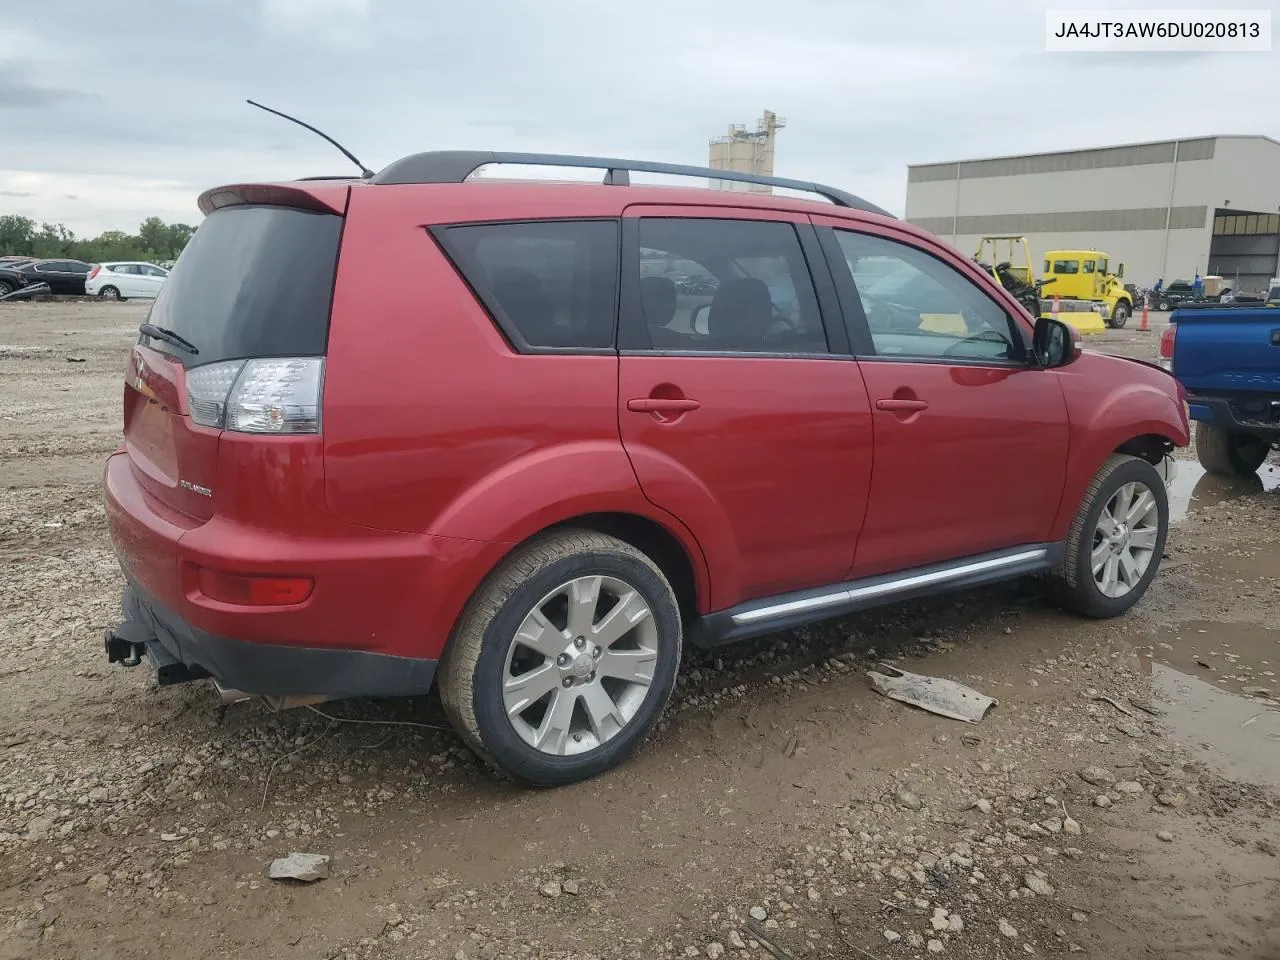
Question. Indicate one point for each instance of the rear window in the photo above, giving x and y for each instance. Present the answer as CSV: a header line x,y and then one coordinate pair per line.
x,y
548,284
255,281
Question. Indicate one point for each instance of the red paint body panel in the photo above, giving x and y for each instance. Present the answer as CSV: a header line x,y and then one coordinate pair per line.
x,y
374,590
770,472
979,469
1111,400
165,446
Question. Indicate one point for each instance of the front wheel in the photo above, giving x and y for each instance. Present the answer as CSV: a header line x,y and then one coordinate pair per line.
x,y
1230,454
1163,306
1116,540
1120,315
5,289
564,659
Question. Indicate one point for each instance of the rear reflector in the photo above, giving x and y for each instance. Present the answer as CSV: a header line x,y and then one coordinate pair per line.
x,y
277,395
253,591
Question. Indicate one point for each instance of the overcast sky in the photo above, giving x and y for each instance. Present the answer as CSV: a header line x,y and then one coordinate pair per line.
x,y
110,112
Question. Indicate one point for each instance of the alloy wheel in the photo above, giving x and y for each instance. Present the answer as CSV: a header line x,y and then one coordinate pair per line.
x,y
580,665
1124,539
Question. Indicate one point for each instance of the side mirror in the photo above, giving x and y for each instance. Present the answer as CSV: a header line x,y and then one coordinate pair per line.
x,y
1055,344
1120,271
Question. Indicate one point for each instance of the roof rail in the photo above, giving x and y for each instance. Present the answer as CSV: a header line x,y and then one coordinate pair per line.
x,y
454,166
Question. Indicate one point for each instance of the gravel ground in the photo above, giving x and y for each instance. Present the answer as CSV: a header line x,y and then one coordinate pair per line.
x,y
1119,800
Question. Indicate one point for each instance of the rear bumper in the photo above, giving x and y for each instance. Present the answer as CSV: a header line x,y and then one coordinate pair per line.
x,y
1222,413
265,669
390,597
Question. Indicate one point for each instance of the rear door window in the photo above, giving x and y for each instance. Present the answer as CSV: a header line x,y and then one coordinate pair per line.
x,y
255,281
727,286
549,285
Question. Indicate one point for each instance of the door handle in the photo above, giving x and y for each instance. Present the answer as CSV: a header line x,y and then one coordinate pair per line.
x,y
897,403
662,405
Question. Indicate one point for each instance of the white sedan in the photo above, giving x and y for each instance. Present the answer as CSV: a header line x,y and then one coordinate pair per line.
x,y
124,280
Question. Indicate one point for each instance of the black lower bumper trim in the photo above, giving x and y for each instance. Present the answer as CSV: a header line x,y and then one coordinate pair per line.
x,y
180,652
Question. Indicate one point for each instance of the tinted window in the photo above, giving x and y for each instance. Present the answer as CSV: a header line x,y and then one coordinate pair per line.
x,y
253,282
150,271
547,284
918,306
1088,266
740,286
1066,266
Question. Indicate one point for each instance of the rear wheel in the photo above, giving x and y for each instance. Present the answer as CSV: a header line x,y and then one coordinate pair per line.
x,y
1120,315
1116,540
1230,454
564,658
110,293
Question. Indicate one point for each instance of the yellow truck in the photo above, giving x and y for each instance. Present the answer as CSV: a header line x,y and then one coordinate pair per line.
x,y
1085,275
1008,260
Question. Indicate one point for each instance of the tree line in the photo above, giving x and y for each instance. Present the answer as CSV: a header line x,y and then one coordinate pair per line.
x,y
155,240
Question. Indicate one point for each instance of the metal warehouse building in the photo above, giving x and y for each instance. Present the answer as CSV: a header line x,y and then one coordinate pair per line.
x,y
1164,210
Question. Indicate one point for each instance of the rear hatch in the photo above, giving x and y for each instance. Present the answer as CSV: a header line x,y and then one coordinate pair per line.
x,y
235,340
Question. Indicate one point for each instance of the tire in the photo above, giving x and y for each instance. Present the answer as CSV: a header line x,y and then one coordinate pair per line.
x,y
5,289
1120,315
1230,454
1163,306
109,293
483,655
1082,590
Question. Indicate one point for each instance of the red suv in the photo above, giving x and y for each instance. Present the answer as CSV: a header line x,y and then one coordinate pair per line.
x,y
524,439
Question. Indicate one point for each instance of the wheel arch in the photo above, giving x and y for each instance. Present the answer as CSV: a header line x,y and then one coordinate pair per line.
x,y
1149,440
658,543
1151,447
672,548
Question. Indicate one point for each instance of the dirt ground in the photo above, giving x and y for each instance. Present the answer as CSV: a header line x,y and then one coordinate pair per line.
x,y
1119,801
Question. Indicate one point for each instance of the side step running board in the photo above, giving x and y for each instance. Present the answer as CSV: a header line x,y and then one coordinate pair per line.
x,y
758,617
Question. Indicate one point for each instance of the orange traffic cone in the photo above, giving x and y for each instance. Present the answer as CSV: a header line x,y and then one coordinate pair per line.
x,y
1145,326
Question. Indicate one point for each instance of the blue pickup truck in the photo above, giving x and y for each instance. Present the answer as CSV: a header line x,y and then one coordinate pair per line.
x,y
1228,361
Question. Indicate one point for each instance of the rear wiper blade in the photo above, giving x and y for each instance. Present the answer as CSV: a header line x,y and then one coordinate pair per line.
x,y
168,336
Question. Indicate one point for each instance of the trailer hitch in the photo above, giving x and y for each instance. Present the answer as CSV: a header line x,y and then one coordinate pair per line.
x,y
126,644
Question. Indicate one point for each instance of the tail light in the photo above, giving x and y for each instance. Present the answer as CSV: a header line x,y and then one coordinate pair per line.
x,y
97,268
1166,346
276,395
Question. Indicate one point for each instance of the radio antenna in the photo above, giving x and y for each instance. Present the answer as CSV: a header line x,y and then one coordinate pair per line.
x,y
365,172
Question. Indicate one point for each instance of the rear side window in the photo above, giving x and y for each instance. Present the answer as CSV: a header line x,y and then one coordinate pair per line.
x,y
255,281
548,284
727,286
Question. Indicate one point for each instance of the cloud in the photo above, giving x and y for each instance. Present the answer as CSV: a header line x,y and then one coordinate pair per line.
x,y
19,92
867,87
336,22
